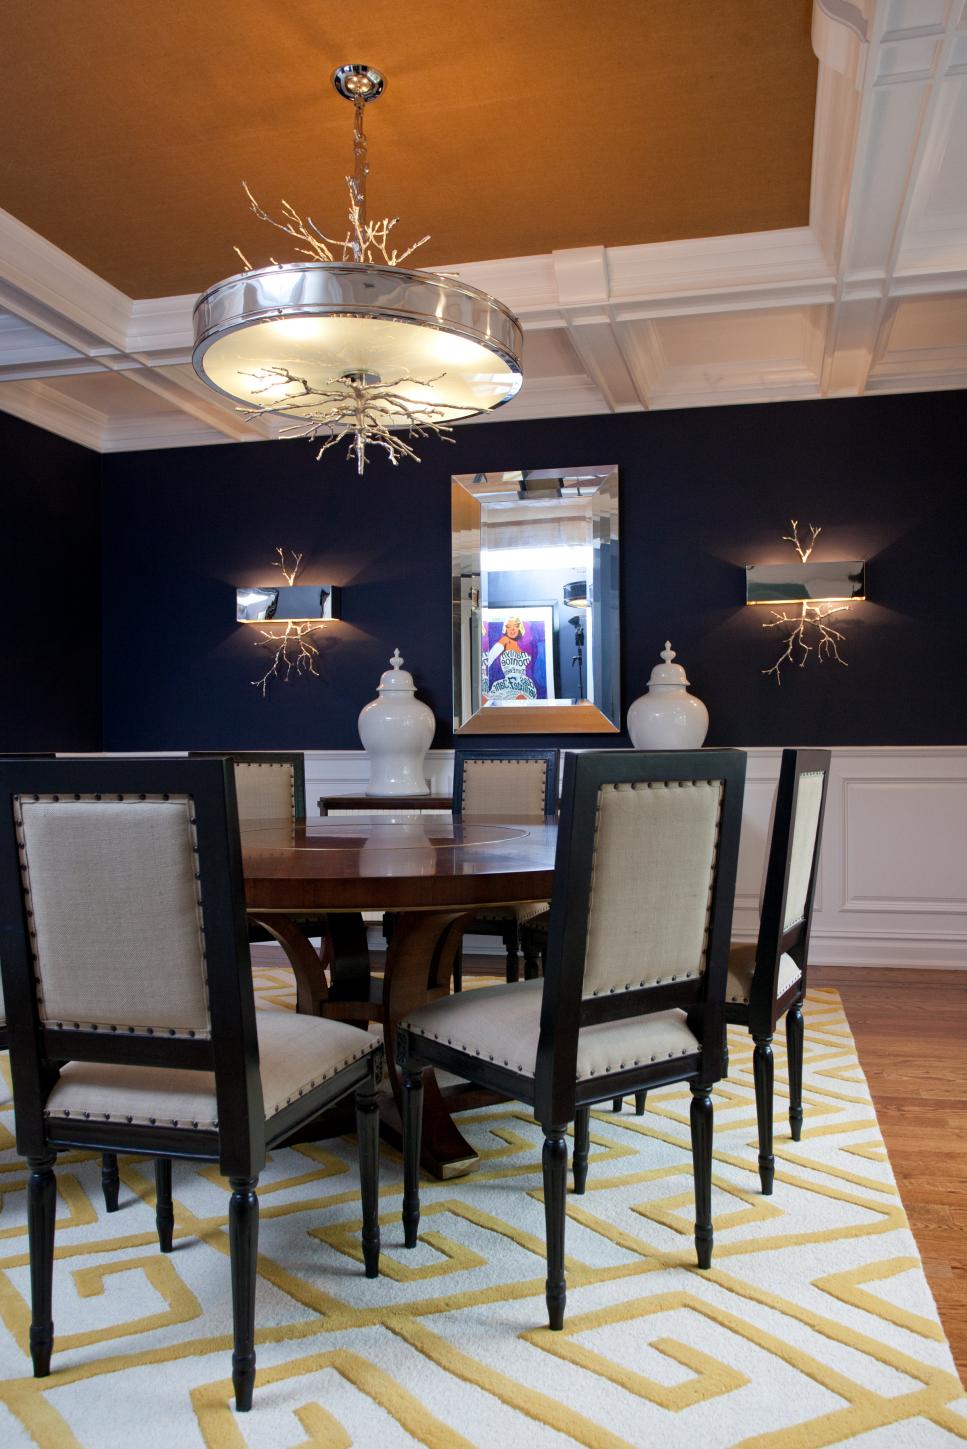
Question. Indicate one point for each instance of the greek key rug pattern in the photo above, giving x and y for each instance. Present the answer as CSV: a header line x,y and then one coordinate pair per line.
x,y
815,1325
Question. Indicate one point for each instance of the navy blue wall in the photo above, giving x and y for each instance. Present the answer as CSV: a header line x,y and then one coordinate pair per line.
x,y
50,566
702,493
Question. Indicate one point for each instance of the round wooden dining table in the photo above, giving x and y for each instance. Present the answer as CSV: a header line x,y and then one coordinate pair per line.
x,y
433,874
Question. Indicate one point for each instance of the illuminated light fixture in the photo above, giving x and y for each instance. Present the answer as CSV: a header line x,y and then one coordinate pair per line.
x,y
349,344
820,590
302,608
576,594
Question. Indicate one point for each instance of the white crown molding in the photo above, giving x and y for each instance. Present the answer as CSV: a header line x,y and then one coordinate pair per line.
x,y
55,412
693,323
56,282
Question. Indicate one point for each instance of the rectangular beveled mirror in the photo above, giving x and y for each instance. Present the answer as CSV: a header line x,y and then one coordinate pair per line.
x,y
536,647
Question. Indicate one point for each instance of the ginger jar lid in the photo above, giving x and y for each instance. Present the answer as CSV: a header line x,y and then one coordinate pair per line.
x,y
396,680
667,673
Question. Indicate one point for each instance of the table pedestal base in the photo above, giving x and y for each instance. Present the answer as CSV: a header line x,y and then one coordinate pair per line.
x,y
419,967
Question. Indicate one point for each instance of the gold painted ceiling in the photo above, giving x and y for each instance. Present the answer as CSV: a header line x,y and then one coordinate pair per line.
x,y
507,129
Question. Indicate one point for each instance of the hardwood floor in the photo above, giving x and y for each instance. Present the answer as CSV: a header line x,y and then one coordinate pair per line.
x,y
910,1029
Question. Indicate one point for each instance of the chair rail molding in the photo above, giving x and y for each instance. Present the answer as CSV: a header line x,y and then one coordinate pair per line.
x,y
892,889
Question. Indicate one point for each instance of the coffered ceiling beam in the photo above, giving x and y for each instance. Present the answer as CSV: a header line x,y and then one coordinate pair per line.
x,y
869,297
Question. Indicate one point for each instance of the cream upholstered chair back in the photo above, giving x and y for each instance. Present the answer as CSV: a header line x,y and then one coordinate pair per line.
x,y
116,913
781,951
265,790
794,845
268,785
805,841
653,872
505,782
124,933
644,885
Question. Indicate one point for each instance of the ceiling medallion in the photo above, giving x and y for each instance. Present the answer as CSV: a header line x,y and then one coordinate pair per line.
x,y
350,344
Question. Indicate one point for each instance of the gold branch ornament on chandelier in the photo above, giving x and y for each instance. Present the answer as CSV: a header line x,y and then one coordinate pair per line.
x,y
349,344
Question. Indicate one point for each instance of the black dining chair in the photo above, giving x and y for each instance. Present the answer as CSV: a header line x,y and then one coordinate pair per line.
x,y
767,977
131,1016
634,990
505,782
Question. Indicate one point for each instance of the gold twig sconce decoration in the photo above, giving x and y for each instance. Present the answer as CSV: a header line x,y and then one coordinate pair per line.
x,y
303,610
811,595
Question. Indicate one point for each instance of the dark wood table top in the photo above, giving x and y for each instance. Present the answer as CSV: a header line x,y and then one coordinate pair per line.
x,y
385,863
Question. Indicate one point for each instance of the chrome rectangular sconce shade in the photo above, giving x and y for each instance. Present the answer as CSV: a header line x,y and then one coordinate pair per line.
x,y
300,602
805,583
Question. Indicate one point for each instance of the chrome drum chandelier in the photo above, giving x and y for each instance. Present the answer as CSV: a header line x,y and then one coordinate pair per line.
x,y
349,344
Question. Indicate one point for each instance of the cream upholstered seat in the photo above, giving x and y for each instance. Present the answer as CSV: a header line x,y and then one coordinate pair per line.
x,y
501,1024
294,1057
767,977
742,967
634,988
509,783
128,986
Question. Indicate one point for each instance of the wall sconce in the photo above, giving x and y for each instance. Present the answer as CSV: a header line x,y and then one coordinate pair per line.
x,y
820,591
304,609
576,594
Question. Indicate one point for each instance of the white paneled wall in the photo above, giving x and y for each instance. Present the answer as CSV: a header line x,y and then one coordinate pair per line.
x,y
893,884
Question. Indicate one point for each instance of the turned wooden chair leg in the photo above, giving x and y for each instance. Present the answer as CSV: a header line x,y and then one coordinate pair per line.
x,y
700,1117
41,1200
367,1137
640,1099
762,1071
110,1180
532,957
243,1240
794,1048
582,1145
164,1213
554,1164
412,1132
511,939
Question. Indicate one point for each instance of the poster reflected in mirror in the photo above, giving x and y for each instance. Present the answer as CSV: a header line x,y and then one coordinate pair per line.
x,y
517,654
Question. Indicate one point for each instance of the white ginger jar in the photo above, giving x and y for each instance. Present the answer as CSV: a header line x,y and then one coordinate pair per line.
x,y
396,730
666,716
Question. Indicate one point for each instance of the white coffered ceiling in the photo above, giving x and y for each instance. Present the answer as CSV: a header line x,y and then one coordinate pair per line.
x,y
870,297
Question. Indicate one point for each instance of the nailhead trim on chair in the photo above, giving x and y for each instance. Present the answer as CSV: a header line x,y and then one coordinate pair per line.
x,y
661,785
213,1122
529,1071
97,798
271,765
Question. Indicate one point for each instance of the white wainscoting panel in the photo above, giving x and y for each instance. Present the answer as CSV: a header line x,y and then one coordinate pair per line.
x,y
893,871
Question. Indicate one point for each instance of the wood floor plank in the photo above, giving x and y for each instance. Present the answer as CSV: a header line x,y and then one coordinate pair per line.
x,y
910,1028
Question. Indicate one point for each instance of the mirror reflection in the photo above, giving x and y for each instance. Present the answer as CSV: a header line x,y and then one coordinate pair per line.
x,y
299,601
535,601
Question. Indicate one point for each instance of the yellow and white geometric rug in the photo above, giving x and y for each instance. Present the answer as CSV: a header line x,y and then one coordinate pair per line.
x,y
815,1325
